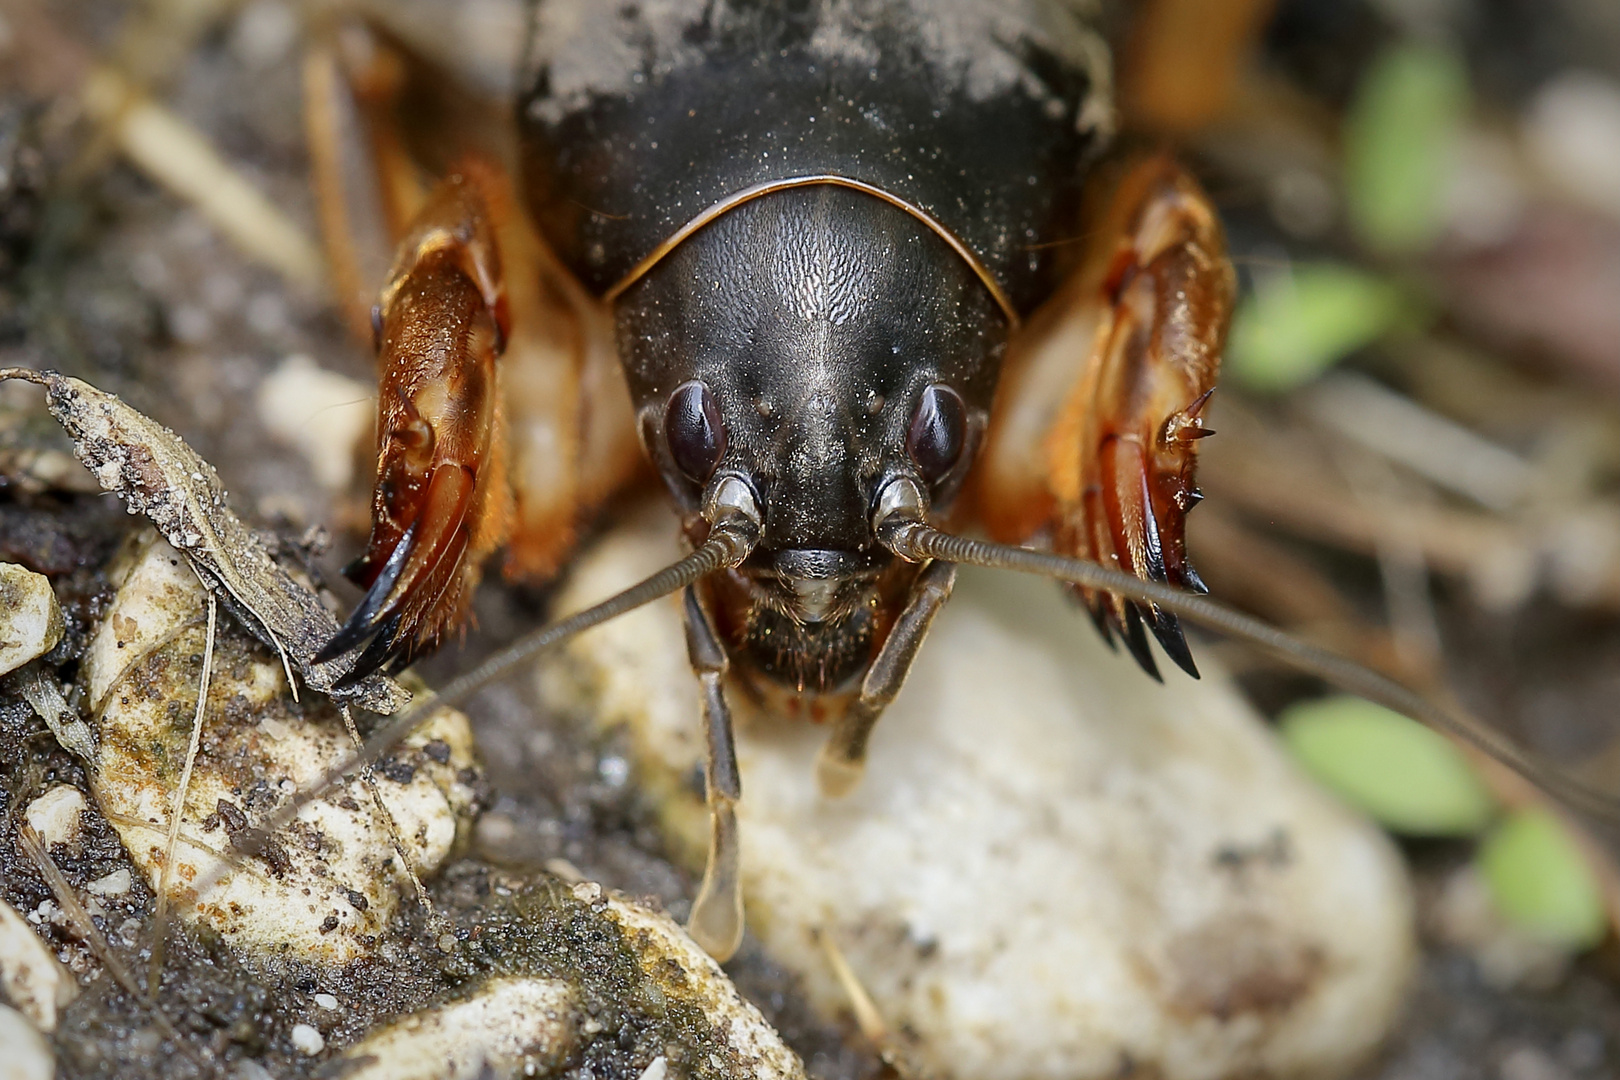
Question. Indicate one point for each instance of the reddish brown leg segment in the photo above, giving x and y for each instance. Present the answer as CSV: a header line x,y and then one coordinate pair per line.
x,y
442,502
1116,458
471,454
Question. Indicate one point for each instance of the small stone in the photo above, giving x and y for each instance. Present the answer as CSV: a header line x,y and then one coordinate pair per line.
x,y
116,883
1053,864
496,830
307,1040
319,413
499,1026
326,1001
31,978
1530,1063
532,1023
30,618
57,815
314,891
564,869
27,1055
1572,130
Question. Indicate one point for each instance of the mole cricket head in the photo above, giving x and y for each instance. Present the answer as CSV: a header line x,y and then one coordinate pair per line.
x,y
815,345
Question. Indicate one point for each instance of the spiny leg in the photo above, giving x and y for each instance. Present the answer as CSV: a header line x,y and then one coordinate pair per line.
x,y
1116,458
717,913
569,440
843,755
442,501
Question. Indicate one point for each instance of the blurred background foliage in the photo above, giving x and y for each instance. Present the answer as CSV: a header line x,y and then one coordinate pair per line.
x,y
1421,436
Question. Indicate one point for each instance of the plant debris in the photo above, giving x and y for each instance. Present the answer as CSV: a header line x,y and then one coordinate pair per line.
x,y
158,475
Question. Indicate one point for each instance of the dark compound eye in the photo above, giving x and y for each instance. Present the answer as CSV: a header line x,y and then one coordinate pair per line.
x,y
938,431
697,439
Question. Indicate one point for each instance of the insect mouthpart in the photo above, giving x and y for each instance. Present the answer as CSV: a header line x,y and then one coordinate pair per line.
x,y
817,585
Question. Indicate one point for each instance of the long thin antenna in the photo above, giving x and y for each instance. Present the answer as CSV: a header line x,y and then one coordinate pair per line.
x,y
729,543
911,539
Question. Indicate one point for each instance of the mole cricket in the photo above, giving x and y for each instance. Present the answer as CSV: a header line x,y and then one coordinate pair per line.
x,y
858,278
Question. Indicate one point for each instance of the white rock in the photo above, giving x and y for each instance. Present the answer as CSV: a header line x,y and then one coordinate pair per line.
x,y
532,1025
505,1022
1572,130
1053,867
664,951
30,618
27,1056
307,1040
31,977
57,815
116,883
326,1001
332,882
319,413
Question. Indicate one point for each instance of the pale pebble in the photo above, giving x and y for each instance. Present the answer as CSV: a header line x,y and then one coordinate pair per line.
x,y
1464,915
1053,865
338,881
533,1024
57,815
504,1022
319,413
1572,130
30,618
307,1040
32,978
110,885
27,1054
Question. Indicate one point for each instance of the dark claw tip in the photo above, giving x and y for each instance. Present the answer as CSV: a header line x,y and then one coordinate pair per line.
x,y
376,656
370,614
1167,628
1099,618
1136,643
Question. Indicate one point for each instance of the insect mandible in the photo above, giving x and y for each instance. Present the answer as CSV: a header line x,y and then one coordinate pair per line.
x,y
872,277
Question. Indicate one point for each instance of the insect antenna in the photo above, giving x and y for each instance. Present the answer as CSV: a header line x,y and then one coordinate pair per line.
x,y
730,541
912,539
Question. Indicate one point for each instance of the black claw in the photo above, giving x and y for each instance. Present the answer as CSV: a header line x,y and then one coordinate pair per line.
x,y
1136,642
1167,628
376,656
1190,578
369,615
1098,610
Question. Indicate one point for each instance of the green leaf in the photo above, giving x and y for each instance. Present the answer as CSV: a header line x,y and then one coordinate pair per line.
x,y
1297,324
1541,881
1399,139
1405,776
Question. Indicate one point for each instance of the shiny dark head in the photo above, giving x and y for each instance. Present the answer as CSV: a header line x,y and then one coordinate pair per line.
x,y
815,343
